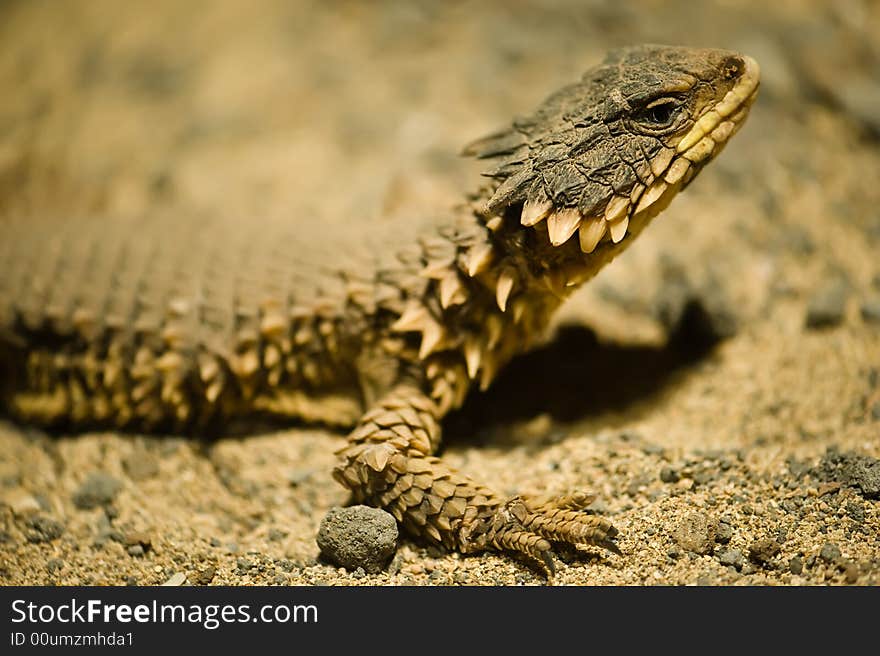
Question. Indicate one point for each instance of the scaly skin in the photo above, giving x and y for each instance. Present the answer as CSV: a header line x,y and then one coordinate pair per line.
x,y
186,325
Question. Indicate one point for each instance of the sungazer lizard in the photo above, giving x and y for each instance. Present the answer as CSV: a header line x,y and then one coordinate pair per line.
x,y
163,323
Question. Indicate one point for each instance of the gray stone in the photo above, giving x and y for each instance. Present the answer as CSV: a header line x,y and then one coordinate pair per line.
x,y
851,469
43,529
830,552
723,533
731,557
205,575
668,475
871,309
705,476
99,489
827,305
359,536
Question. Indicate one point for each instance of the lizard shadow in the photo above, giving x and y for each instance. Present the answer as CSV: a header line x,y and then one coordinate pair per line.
x,y
572,378
576,377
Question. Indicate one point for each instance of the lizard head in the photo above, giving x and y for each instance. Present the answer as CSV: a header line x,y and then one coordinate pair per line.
x,y
602,157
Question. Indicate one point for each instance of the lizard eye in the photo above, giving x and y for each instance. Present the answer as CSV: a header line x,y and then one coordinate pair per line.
x,y
659,114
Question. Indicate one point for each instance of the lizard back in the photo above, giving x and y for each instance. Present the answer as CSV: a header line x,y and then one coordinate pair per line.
x,y
184,322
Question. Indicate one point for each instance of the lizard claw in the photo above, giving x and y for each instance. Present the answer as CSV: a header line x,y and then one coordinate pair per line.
x,y
549,563
530,526
610,545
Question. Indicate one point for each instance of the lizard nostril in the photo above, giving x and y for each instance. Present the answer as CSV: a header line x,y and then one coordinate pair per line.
x,y
733,67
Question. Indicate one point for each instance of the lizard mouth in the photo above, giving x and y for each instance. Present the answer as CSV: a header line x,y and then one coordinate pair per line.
x,y
720,122
670,171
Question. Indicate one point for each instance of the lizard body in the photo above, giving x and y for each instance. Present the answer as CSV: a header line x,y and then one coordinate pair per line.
x,y
160,323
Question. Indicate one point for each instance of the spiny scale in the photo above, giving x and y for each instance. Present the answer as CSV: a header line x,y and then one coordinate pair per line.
x,y
562,224
534,211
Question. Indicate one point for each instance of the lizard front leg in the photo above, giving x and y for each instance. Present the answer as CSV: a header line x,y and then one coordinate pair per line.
x,y
389,463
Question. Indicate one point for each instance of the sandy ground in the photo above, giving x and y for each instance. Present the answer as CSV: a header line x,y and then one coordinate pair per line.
x,y
718,386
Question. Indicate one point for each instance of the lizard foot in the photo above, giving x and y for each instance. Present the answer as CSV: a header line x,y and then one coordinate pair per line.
x,y
529,526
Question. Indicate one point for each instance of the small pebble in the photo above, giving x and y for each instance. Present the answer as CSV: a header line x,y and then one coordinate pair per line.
x,y
43,529
851,469
871,310
685,484
731,557
723,533
763,551
796,565
179,578
830,552
359,536
828,305
286,565
97,490
205,576
668,475
704,476
137,538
